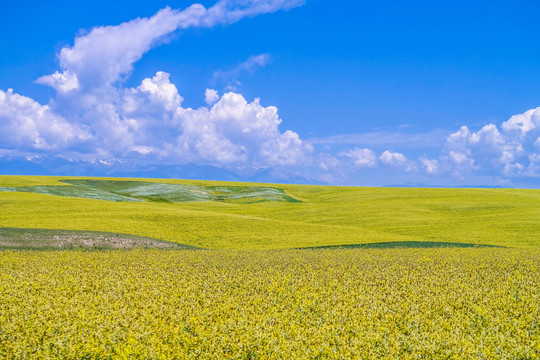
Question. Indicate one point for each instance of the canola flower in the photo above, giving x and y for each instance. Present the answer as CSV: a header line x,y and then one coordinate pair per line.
x,y
321,216
285,304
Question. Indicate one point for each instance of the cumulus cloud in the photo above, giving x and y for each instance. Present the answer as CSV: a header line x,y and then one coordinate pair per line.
x,y
149,120
210,96
62,83
506,151
160,91
94,114
431,166
524,123
396,159
460,158
28,125
393,158
234,130
361,157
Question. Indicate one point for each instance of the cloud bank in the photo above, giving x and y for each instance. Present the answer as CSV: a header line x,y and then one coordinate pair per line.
x,y
95,117
27,125
509,150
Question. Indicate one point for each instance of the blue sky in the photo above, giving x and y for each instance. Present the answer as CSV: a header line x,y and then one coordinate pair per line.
x,y
350,92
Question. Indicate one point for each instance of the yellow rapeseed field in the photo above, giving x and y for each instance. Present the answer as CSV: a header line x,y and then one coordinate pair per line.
x,y
443,303
326,215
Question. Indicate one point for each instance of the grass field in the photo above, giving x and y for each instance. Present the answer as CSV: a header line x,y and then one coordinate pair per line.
x,y
318,216
121,190
295,272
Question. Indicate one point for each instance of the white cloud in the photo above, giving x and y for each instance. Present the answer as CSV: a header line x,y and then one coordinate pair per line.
x,y
459,138
211,96
62,83
460,158
393,158
361,157
230,11
524,123
327,162
27,125
161,91
107,53
533,168
233,130
488,135
396,159
252,64
513,169
149,121
506,157
96,116
493,151
431,166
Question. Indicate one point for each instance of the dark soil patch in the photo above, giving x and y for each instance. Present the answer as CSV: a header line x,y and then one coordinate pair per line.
x,y
47,239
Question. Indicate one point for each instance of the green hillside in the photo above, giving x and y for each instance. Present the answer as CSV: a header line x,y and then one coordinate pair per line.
x,y
222,215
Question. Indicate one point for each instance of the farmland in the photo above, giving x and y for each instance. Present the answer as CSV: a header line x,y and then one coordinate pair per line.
x,y
293,272
298,216
282,304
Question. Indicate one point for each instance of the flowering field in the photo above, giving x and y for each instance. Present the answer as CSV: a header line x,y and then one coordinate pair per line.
x,y
283,304
322,216
371,282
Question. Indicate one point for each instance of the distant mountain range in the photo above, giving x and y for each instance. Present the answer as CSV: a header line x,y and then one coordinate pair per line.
x,y
62,166
417,185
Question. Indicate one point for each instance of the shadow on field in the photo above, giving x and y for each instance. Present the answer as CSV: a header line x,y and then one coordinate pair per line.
x,y
405,244
52,239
